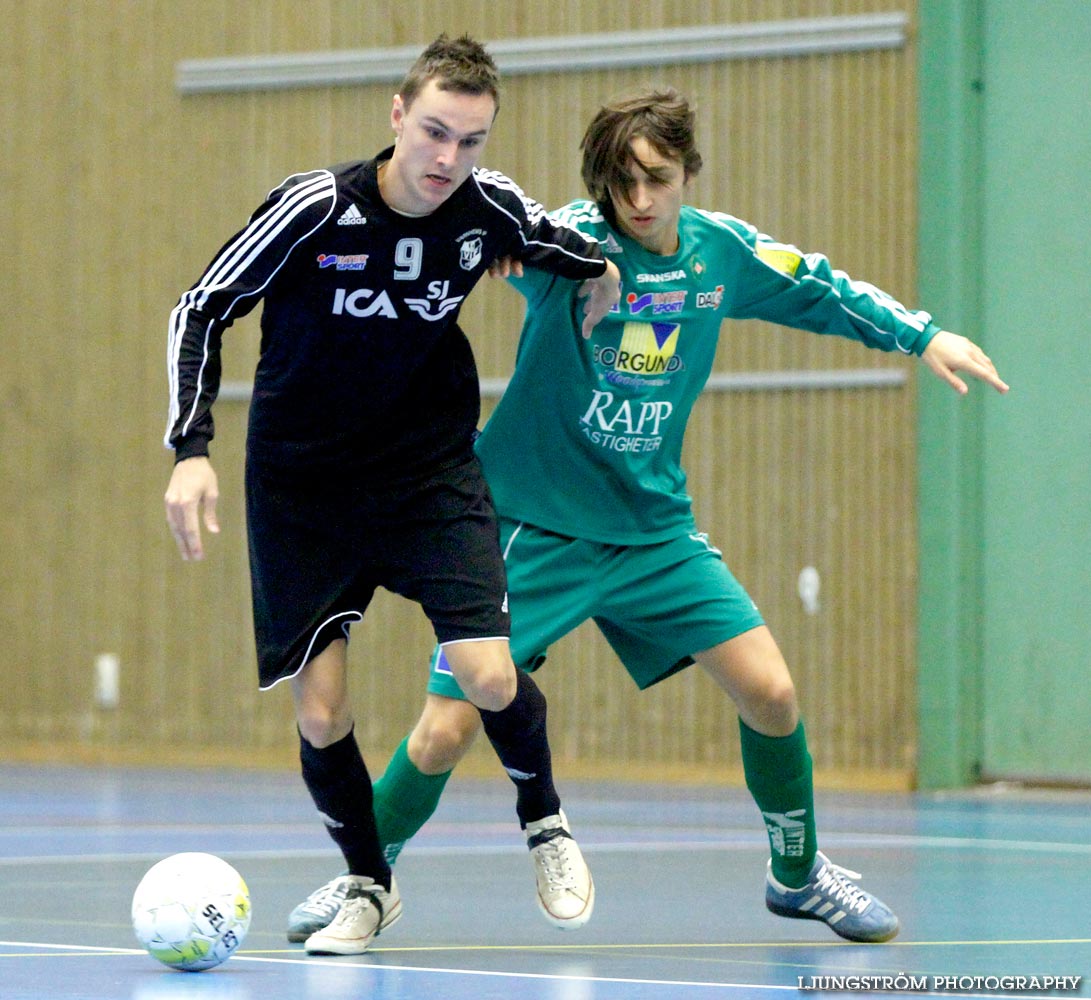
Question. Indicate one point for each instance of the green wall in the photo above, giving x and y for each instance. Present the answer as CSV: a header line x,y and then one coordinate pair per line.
x,y
1005,482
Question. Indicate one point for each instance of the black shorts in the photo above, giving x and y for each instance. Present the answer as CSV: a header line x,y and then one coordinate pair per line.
x,y
320,545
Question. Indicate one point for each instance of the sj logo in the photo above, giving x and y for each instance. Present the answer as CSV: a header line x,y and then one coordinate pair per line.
x,y
437,304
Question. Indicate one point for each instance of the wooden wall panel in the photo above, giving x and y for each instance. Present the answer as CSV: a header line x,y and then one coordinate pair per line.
x,y
122,191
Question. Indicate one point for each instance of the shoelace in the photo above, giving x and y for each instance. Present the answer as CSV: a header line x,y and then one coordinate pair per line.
x,y
836,881
353,906
327,899
557,866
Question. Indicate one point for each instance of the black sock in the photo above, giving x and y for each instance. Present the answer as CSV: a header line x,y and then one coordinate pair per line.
x,y
518,735
337,779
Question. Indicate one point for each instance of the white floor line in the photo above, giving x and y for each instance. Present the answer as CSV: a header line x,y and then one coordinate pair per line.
x,y
747,841
312,962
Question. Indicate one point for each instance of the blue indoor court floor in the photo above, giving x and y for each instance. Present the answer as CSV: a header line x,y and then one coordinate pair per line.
x,y
988,883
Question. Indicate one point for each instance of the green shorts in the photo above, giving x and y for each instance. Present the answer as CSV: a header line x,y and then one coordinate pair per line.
x,y
656,605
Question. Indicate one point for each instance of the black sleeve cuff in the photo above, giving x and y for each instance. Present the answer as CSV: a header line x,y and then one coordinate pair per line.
x,y
193,446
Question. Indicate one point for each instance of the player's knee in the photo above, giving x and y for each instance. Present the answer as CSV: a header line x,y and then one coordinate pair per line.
x,y
440,742
775,707
493,690
780,695
486,676
321,725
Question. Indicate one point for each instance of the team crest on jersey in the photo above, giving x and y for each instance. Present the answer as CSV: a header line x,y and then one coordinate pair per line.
x,y
470,249
646,349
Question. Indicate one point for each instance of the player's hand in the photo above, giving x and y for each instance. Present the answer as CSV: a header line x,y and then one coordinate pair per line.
x,y
948,353
602,294
191,493
506,267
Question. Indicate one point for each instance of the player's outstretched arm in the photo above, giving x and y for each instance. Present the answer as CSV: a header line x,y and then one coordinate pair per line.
x,y
948,353
192,491
602,294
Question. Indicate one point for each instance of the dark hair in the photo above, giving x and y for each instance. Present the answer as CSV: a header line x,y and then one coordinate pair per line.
x,y
459,64
663,117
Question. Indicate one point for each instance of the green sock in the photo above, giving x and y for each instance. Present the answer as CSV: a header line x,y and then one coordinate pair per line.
x,y
404,800
778,774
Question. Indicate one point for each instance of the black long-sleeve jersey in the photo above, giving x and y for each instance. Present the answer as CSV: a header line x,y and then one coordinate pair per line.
x,y
362,360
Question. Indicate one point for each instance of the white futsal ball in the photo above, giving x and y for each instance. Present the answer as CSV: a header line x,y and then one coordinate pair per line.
x,y
191,911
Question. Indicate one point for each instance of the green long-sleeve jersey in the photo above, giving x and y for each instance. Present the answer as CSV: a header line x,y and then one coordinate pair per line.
x,y
587,439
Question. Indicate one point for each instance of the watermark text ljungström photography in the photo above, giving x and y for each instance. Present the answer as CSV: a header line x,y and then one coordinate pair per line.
x,y
904,983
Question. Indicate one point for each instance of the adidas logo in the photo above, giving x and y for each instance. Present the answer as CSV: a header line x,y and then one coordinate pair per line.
x,y
351,217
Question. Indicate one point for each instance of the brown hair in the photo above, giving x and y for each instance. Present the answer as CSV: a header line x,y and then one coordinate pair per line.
x,y
459,64
663,117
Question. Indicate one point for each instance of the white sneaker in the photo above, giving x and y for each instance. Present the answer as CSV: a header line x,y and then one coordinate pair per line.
x,y
366,910
318,909
566,892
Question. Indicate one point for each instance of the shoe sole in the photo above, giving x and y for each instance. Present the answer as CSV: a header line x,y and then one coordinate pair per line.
x,y
877,938
348,948
571,923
